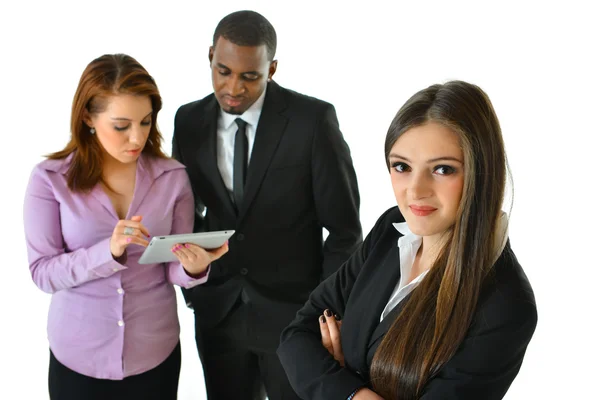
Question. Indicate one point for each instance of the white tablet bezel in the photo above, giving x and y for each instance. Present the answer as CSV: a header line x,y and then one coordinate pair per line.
x,y
159,248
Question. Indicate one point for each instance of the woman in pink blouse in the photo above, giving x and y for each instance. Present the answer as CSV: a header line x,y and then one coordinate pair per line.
x,y
89,212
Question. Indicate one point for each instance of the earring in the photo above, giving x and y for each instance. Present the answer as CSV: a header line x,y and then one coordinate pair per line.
x,y
92,131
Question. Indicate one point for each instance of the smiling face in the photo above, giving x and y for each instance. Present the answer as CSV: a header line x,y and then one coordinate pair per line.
x,y
427,172
122,128
239,74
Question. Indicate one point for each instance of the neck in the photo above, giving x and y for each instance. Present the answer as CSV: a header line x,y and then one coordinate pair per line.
x,y
111,167
429,251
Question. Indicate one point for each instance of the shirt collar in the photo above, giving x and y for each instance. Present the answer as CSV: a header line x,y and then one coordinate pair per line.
x,y
250,116
407,236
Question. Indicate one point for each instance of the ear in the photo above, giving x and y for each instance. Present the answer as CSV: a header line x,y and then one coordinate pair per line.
x,y
211,51
272,69
87,118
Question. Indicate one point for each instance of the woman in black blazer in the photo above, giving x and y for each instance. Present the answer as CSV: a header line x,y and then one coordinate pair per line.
x,y
434,305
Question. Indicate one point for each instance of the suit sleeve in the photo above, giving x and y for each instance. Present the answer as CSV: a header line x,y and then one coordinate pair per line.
x,y
489,358
52,267
177,154
336,195
312,371
183,220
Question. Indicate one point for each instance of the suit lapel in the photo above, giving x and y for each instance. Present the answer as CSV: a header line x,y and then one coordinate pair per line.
x,y
385,325
389,319
205,133
390,277
268,134
371,299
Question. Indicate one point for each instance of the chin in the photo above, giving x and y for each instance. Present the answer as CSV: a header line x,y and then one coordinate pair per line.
x,y
424,227
128,160
231,110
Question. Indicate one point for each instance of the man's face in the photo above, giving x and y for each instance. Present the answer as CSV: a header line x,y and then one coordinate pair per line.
x,y
239,74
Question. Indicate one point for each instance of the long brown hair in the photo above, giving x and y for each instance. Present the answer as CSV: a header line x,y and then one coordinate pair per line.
x,y
108,75
436,316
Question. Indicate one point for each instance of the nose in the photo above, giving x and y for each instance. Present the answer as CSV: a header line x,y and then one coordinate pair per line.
x,y
235,86
420,186
137,135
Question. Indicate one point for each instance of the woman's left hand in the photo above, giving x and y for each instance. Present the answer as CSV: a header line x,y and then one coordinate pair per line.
x,y
195,259
330,325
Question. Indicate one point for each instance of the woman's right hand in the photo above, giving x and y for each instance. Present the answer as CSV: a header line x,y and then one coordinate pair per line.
x,y
119,240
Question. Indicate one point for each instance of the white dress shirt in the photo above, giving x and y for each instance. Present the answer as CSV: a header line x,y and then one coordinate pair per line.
x,y
226,130
409,245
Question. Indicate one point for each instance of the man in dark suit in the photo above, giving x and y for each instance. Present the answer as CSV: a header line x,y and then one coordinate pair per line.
x,y
273,165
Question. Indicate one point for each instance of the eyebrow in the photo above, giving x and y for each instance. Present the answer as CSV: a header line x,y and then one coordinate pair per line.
x,y
431,160
127,119
243,73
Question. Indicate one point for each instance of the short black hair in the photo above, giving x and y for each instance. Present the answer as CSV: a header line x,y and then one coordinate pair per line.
x,y
247,28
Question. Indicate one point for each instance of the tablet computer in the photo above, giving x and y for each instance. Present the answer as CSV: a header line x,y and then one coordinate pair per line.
x,y
159,248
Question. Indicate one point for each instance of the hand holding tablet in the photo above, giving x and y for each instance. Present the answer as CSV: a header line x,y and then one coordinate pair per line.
x,y
160,248
195,259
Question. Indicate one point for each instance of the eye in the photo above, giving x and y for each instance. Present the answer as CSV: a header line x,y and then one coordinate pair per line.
x,y
444,170
250,77
146,123
400,167
223,72
121,128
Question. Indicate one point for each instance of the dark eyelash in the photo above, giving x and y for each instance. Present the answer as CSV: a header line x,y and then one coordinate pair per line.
x,y
121,129
405,166
450,170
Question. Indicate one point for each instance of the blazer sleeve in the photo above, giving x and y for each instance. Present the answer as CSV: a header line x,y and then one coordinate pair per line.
x,y
336,195
490,357
183,220
52,267
177,154
198,207
312,371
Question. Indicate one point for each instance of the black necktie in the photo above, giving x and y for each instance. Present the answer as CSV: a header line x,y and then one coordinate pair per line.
x,y
240,162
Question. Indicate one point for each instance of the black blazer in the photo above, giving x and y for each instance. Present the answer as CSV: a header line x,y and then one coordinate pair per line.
x,y
300,180
484,365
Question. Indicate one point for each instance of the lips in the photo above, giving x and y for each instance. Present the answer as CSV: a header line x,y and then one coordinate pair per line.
x,y
422,211
232,101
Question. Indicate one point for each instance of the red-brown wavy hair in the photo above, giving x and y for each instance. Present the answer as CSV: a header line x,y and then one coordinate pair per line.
x,y
106,76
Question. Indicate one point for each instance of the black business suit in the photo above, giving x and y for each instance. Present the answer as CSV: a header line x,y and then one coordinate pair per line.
x,y
484,365
300,180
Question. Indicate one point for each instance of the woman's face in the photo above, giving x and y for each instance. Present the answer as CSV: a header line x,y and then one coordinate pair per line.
x,y
427,172
123,127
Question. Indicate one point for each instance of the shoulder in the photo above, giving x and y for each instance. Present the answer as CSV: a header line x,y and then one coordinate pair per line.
x,y
383,231
507,300
391,216
54,165
194,106
49,170
167,173
302,102
49,176
162,166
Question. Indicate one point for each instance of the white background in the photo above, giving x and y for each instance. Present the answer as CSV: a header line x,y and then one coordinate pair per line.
x,y
536,60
